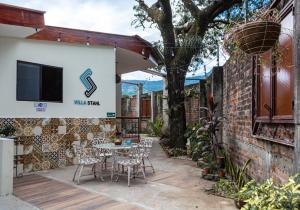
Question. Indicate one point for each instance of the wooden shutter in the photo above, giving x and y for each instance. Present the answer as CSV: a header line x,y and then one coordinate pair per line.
x,y
146,108
283,83
264,85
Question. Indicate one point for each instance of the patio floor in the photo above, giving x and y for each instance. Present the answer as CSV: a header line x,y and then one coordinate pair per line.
x,y
176,185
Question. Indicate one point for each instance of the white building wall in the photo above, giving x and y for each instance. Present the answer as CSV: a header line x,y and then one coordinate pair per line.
x,y
74,59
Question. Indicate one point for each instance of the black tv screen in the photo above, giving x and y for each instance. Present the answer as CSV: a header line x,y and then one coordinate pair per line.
x,y
37,82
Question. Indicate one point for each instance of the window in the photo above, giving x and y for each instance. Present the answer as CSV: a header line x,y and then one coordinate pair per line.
x,y
37,82
273,73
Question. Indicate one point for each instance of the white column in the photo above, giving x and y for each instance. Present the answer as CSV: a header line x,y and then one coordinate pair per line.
x,y
119,99
153,103
6,166
139,92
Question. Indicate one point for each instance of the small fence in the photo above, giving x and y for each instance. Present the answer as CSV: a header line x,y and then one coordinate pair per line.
x,y
130,127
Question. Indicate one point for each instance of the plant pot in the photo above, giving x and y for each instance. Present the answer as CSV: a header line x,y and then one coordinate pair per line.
x,y
118,142
257,37
205,171
221,161
221,173
239,203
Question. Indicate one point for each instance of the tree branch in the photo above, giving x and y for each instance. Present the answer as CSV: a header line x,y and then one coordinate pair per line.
x,y
192,7
218,7
183,29
152,11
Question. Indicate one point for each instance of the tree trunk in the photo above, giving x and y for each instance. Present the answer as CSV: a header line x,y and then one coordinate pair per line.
x,y
177,121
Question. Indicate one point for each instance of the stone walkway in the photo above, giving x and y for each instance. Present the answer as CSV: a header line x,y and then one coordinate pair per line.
x,y
176,185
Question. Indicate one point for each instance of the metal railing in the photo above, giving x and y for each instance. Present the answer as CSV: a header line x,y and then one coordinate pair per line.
x,y
130,127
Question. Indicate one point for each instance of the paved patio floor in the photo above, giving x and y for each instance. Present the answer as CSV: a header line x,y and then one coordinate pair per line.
x,y
176,185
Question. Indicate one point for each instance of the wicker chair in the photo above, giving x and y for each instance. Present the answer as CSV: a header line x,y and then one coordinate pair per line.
x,y
101,153
147,145
85,158
133,162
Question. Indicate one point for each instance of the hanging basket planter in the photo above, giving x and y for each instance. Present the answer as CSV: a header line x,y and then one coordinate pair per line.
x,y
257,37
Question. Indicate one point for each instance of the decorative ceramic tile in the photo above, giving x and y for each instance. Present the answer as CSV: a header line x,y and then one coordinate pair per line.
x,y
76,121
48,142
54,147
37,131
62,122
27,140
62,129
37,166
95,121
54,122
62,163
84,128
47,129
90,136
45,165
46,138
28,131
37,140
61,154
46,147
28,149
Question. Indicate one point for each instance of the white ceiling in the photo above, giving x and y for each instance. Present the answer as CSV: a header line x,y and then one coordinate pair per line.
x,y
128,61
16,31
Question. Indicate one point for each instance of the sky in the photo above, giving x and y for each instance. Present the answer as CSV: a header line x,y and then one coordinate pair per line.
x,y
111,16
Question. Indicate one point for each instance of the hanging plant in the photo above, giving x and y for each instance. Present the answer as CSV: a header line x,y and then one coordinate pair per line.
x,y
256,36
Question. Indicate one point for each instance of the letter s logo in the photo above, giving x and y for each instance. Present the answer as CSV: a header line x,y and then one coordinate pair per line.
x,y
88,82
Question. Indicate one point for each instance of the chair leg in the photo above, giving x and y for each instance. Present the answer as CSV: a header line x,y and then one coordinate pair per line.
x,y
94,170
75,173
151,165
144,175
128,170
79,175
112,170
100,176
143,162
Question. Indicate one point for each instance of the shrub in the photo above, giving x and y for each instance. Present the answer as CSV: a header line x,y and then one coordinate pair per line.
x,y
267,195
156,126
7,130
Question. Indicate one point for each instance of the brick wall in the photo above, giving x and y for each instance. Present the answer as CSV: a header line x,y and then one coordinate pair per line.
x,y
192,104
269,159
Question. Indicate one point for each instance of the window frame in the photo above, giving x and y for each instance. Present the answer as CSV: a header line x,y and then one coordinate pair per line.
x,y
272,118
40,86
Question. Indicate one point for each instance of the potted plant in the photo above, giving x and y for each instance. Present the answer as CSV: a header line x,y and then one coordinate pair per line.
x,y
7,130
256,36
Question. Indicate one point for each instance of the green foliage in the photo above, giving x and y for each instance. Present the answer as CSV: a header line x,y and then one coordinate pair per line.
x,y
236,174
7,130
236,179
211,125
199,144
267,195
225,188
156,126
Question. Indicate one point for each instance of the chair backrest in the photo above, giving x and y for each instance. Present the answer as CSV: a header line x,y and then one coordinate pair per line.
x,y
138,151
82,152
146,142
98,140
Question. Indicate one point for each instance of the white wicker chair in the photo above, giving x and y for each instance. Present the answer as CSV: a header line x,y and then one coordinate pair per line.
x,y
85,158
133,162
101,153
147,145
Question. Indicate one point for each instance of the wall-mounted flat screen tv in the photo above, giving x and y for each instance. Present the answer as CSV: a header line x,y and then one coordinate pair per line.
x,y
38,82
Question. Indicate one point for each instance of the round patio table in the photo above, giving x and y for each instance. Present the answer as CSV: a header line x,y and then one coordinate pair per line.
x,y
113,148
